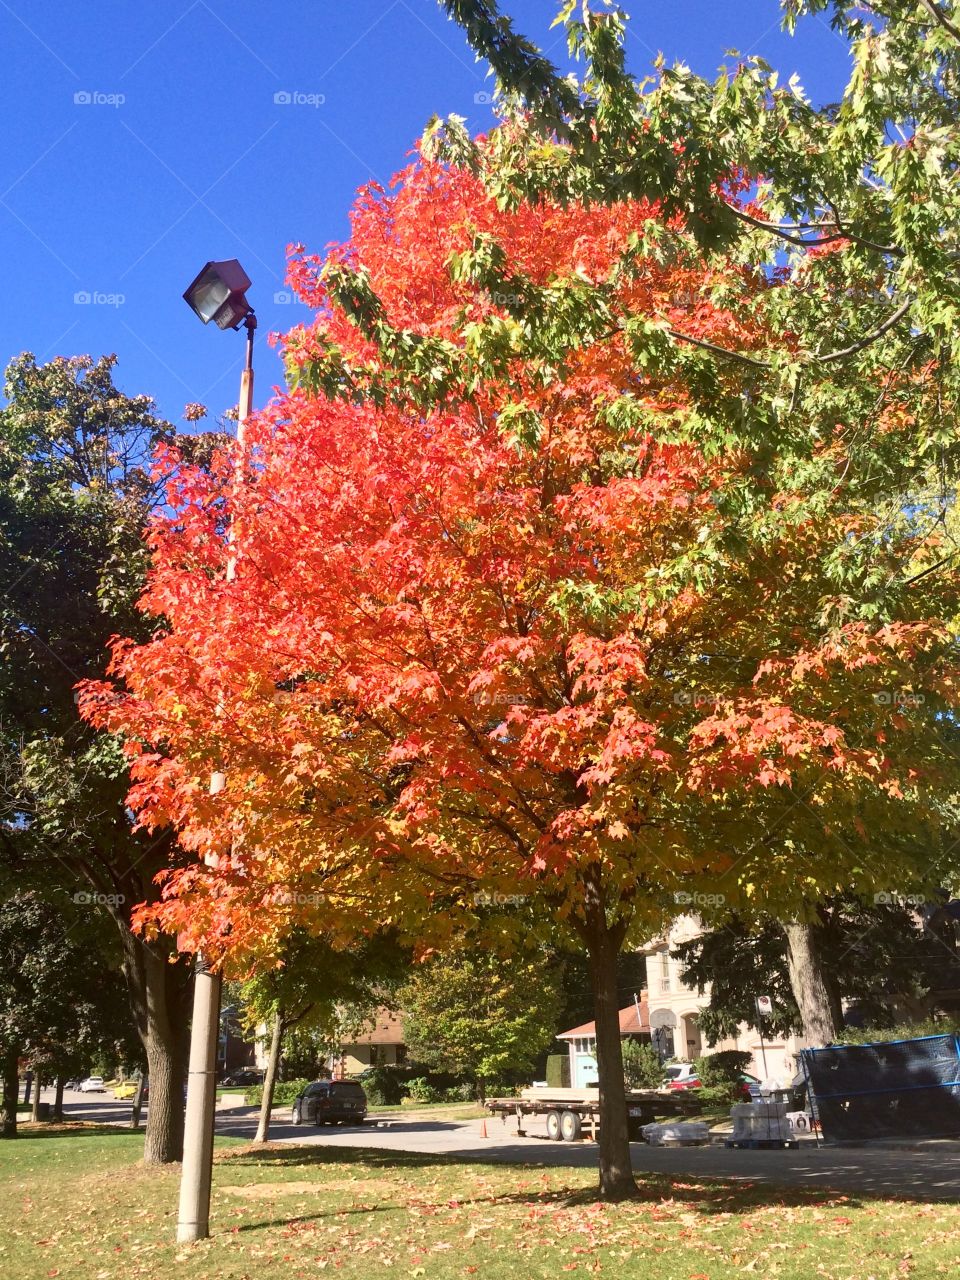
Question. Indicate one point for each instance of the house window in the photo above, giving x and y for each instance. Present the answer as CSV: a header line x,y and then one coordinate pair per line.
x,y
664,971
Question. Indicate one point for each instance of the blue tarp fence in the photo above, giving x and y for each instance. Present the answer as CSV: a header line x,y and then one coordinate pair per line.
x,y
889,1089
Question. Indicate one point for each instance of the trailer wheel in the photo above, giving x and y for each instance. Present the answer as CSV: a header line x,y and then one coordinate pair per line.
x,y
570,1126
553,1126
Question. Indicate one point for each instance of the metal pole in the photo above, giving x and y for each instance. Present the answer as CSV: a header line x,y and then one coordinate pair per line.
x,y
193,1222
763,1047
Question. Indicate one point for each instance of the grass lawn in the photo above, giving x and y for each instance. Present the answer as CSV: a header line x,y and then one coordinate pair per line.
x,y
442,1110
76,1204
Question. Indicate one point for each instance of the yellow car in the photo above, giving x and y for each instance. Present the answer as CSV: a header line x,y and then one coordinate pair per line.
x,y
127,1090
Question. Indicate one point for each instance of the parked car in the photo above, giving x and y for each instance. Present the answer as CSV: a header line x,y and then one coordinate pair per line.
x,y
330,1102
244,1077
749,1085
678,1076
92,1084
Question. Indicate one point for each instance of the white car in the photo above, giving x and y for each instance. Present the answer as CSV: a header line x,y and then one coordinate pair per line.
x,y
92,1084
678,1075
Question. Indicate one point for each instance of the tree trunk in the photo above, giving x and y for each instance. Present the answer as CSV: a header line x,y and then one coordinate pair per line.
x,y
58,1101
138,1102
270,1078
11,1093
157,996
35,1110
616,1171
810,988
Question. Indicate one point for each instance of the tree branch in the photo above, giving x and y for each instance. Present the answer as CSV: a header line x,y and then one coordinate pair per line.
x,y
852,350
841,233
941,18
720,351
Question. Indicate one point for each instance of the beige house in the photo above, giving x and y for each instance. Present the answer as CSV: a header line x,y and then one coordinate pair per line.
x,y
675,1008
378,1044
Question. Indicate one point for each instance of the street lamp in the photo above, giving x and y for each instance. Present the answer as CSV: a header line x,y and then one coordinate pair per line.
x,y
219,294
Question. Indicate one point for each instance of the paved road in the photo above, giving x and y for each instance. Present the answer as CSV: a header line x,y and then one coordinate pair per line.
x,y
930,1172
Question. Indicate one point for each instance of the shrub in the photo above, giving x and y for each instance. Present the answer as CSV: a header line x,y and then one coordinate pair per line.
x,y
422,1091
385,1087
284,1091
905,1031
558,1070
461,1093
725,1067
642,1068
718,1095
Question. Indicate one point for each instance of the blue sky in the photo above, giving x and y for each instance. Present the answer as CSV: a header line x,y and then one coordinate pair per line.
x,y
144,139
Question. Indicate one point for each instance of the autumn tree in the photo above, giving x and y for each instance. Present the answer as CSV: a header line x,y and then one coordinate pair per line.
x,y
536,597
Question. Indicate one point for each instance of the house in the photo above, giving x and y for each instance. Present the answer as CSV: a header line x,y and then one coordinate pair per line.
x,y
379,1043
675,1010
582,1041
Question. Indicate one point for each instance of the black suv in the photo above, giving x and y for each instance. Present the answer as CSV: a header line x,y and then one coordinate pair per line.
x,y
330,1101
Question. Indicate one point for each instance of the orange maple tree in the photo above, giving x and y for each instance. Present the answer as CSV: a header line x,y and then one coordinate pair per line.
x,y
505,618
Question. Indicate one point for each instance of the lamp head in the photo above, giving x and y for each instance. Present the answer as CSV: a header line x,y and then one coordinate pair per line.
x,y
219,294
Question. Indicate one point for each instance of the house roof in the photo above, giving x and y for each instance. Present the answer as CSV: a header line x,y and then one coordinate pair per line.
x,y
629,1024
385,1028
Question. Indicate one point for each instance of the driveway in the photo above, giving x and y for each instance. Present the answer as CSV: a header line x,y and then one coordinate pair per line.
x,y
929,1171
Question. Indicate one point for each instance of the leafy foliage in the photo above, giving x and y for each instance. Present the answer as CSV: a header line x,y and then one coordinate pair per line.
x,y
875,956
284,1091
58,996
642,1068
475,1013
596,553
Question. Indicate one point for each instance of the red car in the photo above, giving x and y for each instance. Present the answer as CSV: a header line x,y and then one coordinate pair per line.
x,y
749,1085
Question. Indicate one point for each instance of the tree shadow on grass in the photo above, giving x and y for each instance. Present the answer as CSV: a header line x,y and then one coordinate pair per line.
x,y
72,1129
702,1194
298,1218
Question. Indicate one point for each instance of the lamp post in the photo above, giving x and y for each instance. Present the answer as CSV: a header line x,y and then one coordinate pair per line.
x,y
219,294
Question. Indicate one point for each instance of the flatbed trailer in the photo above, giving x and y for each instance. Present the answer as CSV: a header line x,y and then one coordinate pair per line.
x,y
571,1113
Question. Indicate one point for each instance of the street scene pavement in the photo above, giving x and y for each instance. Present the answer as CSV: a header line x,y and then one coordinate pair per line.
x,y
929,1170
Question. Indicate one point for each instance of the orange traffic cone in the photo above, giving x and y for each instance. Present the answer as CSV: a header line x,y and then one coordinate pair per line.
x,y
483,1127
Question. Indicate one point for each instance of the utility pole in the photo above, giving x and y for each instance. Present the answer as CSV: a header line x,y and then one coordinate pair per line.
x,y
193,1220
